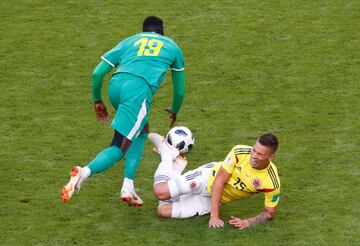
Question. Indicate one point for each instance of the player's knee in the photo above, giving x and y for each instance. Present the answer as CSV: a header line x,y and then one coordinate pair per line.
x,y
157,192
164,211
160,191
120,141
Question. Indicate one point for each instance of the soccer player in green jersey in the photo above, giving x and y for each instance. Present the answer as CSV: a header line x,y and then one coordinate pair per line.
x,y
142,61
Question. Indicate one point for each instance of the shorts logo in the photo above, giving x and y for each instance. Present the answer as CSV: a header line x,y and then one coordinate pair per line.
x,y
193,185
256,183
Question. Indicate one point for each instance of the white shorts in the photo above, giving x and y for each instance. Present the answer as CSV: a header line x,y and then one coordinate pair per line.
x,y
191,190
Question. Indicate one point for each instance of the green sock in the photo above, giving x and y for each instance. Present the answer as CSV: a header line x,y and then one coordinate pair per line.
x,y
105,159
133,155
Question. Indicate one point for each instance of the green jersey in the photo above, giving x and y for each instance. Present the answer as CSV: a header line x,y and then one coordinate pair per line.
x,y
147,55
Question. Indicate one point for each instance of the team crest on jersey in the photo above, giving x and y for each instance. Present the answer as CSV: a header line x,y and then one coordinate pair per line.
x,y
193,185
256,183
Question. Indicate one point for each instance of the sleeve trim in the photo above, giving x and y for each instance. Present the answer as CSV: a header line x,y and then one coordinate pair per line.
x,y
106,60
178,69
225,167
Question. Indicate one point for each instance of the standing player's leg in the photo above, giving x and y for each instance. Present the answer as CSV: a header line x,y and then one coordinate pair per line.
x,y
131,116
131,120
132,161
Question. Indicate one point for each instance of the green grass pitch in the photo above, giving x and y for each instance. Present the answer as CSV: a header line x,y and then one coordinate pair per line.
x,y
288,67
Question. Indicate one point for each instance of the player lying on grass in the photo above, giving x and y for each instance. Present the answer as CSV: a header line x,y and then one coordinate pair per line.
x,y
245,171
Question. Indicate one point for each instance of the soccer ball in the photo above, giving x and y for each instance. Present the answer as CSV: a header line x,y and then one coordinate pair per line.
x,y
181,138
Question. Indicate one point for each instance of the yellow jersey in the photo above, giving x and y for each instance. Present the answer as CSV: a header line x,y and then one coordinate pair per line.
x,y
245,180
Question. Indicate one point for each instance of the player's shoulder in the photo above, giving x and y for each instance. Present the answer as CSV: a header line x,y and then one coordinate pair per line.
x,y
241,149
273,166
273,175
171,42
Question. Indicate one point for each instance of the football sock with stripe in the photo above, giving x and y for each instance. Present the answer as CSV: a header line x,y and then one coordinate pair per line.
x,y
105,159
178,186
165,171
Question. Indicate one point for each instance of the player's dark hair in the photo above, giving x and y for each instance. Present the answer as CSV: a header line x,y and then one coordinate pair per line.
x,y
269,140
153,24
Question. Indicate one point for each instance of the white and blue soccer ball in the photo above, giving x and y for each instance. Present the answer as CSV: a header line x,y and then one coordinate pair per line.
x,y
181,138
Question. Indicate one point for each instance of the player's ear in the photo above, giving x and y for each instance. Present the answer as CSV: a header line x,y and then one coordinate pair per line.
x,y
272,157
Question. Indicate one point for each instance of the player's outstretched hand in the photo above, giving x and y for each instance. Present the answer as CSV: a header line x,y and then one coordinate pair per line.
x,y
101,112
216,223
239,223
172,117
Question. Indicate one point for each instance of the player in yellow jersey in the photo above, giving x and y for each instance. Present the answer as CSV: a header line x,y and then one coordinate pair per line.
x,y
246,171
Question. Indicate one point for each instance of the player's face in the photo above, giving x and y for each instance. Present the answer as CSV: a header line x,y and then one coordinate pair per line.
x,y
261,156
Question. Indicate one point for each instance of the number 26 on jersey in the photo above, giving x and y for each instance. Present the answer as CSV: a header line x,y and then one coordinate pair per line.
x,y
154,47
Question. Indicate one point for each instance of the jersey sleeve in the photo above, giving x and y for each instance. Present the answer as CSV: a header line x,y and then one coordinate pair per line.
x,y
178,64
113,56
272,198
178,91
230,161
